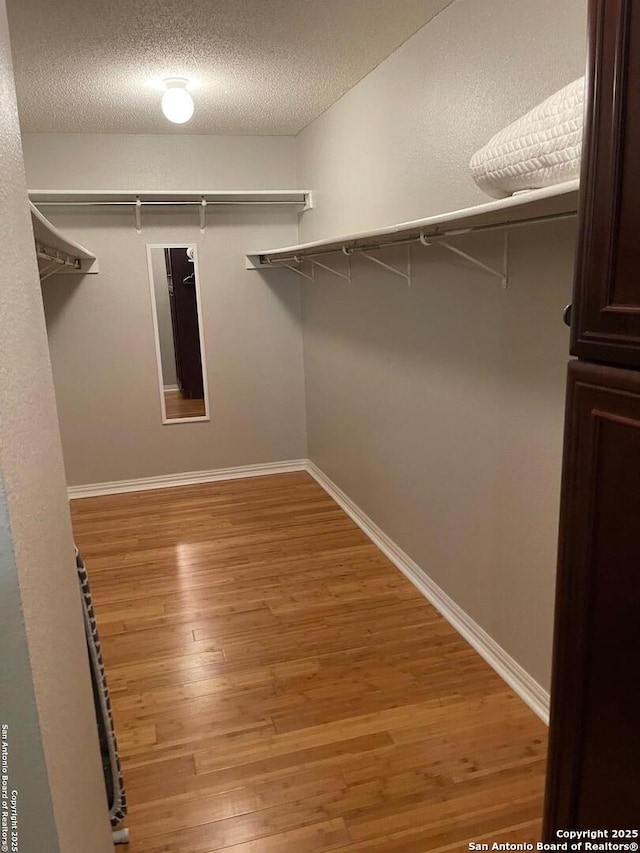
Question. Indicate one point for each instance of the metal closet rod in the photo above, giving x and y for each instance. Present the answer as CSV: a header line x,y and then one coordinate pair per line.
x,y
402,241
142,203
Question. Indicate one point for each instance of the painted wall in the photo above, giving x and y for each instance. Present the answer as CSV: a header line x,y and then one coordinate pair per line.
x,y
45,691
100,327
104,358
163,313
397,146
97,161
438,408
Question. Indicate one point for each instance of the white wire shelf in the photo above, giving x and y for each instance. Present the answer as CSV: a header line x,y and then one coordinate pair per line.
x,y
163,200
536,206
106,198
57,253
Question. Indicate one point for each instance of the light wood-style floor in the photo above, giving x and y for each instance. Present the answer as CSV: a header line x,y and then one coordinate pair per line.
x,y
177,406
279,687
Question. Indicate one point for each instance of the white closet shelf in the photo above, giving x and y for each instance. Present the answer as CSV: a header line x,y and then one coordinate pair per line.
x,y
160,200
57,253
106,198
535,206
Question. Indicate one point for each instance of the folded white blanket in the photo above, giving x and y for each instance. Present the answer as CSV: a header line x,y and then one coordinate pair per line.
x,y
538,150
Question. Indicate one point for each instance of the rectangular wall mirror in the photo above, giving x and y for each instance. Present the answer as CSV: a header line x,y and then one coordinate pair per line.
x,y
177,322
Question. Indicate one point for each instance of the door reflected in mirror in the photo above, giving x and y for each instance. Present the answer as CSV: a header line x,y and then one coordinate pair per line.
x,y
175,301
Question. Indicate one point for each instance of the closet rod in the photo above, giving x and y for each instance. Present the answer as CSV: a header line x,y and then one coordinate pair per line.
x,y
403,241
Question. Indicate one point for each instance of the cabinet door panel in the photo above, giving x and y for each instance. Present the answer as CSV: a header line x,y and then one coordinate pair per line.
x,y
606,323
594,753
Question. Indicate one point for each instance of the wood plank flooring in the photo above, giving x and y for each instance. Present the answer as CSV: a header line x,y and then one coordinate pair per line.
x,y
177,406
279,687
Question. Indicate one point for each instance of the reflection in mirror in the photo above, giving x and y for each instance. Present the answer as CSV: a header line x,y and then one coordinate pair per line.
x,y
175,299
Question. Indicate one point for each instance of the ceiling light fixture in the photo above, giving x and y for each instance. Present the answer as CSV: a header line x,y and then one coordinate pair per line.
x,y
177,103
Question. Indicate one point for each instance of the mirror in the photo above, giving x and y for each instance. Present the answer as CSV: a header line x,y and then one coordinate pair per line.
x,y
175,303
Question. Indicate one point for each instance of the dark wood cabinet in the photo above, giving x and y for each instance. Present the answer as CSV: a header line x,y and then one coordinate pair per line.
x,y
593,777
606,315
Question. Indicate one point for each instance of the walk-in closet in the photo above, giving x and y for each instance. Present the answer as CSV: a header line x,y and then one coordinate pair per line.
x,y
319,334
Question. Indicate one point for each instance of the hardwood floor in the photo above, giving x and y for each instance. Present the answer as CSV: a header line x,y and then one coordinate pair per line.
x,y
279,687
177,406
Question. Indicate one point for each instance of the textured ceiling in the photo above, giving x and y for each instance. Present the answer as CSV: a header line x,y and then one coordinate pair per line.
x,y
259,66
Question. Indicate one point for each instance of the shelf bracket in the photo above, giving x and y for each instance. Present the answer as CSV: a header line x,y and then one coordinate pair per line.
x,y
345,276
406,275
49,270
289,267
58,261
502,274
203,210
138,215
348,252
505,260
56,266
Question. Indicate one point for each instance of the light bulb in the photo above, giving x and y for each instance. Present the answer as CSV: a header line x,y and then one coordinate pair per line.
x,y
177,103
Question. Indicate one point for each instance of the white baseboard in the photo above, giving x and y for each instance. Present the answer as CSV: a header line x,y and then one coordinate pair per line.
x,y
170,387
535,696
507,668
190,478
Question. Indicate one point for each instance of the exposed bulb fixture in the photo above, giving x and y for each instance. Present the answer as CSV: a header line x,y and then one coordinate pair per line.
x,y
177,103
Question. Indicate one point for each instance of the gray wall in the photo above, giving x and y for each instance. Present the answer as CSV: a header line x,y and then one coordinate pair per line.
x,y
397,146
45,691
111,161
104,357
100,327
438,408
